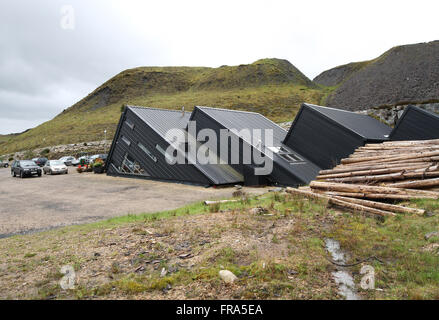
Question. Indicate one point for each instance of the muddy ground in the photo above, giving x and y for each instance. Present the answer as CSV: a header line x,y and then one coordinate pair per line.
x,y
36,204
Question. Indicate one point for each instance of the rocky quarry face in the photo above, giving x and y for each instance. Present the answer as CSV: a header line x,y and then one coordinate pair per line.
x,y
391,115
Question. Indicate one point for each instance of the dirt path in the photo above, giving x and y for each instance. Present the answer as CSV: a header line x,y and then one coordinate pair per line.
x,y
35,204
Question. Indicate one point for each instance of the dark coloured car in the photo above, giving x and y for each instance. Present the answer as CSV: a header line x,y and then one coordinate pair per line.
x,y
41,162
25,168
4,164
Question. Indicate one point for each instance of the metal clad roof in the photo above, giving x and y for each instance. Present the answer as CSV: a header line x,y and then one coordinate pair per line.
x,y
364,125
239,120
163,120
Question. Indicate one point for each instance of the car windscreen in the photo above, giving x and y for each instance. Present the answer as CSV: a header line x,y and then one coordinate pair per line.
x,y
56,163
27,163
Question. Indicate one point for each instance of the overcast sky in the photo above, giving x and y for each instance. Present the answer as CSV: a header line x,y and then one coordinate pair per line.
x,y
52,56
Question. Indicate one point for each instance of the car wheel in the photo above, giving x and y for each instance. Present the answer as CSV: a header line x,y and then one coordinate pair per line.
x,y
7,165
39,174
44,171
21,175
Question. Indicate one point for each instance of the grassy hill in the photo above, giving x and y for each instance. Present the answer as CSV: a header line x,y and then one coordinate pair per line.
x,y
272,87
403,75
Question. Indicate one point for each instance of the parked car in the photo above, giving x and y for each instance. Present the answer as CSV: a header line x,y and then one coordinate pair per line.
x,y
68,161
24,168
41,161
3,164
55,167
86,160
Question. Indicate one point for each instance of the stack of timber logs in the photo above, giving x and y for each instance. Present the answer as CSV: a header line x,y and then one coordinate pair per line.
x,y
377,173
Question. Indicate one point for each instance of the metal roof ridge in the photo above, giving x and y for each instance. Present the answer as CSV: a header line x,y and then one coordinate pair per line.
x,y
341,110
242,111
152,108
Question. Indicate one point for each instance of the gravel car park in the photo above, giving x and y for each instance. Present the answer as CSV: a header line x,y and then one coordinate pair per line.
x,y
54,201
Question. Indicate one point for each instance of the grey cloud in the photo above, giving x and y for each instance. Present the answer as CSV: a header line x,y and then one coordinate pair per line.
x,y
45,69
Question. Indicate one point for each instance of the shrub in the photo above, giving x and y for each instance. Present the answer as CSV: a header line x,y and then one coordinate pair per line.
x,y
45,151
29,155
98,163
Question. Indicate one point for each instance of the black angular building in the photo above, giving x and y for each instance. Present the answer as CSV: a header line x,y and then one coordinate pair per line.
x,y
326,135
140,144
289,166
139,150
257,150
416,124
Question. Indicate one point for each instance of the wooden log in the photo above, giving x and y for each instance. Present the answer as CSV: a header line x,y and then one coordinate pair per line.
x,y
396,161
427,183
415,155
362,154
371,172
343,187
423,173
345,169
341,203
379,147
382,206
409,143
208,202
374,196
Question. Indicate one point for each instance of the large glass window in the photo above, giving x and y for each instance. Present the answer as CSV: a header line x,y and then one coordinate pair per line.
x,y
125,139
130,166
169,157
129,124
286,154
145,149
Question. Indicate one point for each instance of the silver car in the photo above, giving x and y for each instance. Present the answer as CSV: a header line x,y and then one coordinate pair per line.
x,y
68,160
55,167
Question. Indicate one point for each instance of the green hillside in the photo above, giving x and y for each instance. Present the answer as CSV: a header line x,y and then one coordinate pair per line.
x,y
272,87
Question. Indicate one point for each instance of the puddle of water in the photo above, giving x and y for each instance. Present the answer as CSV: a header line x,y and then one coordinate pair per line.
x,y
343,279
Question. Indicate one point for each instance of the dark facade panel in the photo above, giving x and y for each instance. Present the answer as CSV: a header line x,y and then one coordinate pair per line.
x,y
154,165
284,172
363,125
320,140
141,136
416,124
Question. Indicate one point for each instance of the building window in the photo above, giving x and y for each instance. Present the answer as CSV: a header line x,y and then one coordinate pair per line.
x,y
148,153
168,157
124,139
286,154
130,166
129,124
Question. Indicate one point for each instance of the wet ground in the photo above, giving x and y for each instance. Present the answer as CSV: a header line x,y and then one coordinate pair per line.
x,y
36,204
342,276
